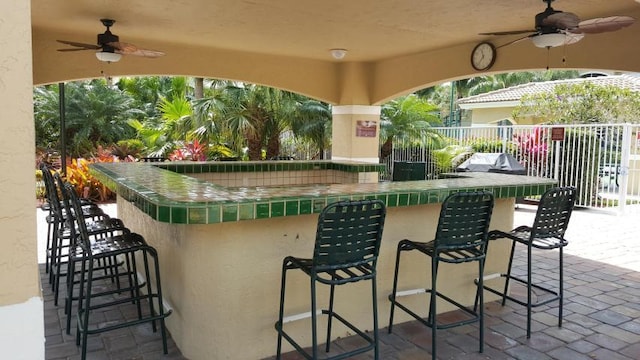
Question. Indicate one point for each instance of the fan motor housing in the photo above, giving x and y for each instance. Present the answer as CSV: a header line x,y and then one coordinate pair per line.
x,y
106,38
540,20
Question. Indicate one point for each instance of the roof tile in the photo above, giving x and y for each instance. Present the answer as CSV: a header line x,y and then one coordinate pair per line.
x,y
514,93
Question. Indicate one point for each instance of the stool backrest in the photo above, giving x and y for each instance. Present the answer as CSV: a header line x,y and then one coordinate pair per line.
x,y
464,220
554,212
83,232
51,191
349,234
64,200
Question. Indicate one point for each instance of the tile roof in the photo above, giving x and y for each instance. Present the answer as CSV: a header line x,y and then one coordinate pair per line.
x,y
514,93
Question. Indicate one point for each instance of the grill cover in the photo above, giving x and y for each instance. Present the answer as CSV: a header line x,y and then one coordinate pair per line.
x,y
493,162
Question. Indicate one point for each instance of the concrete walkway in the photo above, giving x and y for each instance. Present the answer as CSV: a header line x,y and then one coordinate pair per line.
x,y
601,321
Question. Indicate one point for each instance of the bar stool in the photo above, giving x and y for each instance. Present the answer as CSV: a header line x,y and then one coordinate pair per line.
x,y
546,233
128,246
461,237
54,221
346,250
59,236
97,230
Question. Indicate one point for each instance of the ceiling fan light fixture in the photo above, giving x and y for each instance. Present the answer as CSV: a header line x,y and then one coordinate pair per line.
x,y
549,40
108,56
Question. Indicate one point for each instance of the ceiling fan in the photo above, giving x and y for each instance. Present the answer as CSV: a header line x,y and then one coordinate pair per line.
x,y
555,28
110,46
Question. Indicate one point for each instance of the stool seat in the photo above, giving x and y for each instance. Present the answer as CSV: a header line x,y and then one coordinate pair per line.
x,y
522,234
454,255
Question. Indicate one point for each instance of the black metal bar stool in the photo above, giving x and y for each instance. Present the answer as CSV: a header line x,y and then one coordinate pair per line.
x,y
346,250
127,245
461,237
97,230
54,220
546,233
59,235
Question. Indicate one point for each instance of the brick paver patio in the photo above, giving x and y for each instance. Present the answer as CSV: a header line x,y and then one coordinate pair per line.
x,y
601,321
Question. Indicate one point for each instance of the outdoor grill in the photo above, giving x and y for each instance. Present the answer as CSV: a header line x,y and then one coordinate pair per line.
x,y
492,162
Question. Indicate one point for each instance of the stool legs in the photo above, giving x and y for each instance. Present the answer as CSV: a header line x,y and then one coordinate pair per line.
x,y
432,306
431,321
279,324
331,315
529,304
480,296
85,307
560,287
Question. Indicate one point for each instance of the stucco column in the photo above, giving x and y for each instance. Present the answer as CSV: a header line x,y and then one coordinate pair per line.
x,y
355,133
21,308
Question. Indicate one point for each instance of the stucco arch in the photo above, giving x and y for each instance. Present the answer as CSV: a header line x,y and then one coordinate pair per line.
x,y
336,82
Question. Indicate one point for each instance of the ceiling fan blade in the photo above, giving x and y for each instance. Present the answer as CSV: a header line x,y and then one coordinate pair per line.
x,y
600,25
572,38
513,32
562,20
514,41
74,49
80,45
130,49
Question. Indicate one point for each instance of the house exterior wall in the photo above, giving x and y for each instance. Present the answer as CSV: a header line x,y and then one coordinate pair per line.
x,y
21,307
489,116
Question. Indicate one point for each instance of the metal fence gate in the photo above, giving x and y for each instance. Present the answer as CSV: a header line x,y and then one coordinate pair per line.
x,y
601,161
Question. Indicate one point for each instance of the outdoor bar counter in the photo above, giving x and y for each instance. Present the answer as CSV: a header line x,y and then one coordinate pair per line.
x,y
222,229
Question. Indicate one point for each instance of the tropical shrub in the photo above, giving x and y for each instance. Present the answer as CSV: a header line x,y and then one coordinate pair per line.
x,y
128,150
577,147
85,184
483,145
449,157
532,150
40,188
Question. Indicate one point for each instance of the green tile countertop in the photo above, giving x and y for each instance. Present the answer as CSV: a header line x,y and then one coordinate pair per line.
x,y
168,196
264,166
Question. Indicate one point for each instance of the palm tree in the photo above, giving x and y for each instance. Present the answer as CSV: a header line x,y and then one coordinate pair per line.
x,y
208,126
312,122
408,117
96,114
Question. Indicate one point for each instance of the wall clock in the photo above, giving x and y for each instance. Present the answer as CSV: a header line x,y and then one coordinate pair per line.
x,y
483,56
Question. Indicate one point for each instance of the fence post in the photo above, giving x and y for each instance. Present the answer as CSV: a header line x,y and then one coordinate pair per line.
x,y
624,167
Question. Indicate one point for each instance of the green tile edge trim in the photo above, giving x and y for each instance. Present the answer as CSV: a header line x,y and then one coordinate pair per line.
x,y
253,166
133,183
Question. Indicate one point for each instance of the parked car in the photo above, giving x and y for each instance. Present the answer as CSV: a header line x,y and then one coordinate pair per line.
x,y
608,176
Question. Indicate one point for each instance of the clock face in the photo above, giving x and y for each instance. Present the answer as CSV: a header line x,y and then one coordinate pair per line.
x,y
483,56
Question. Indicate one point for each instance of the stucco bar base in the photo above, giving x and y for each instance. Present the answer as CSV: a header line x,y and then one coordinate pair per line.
x,y
223,280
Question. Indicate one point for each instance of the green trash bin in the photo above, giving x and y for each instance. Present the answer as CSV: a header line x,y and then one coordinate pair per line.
x,y
407,171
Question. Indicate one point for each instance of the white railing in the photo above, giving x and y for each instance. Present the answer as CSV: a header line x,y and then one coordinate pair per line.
x,y
601,161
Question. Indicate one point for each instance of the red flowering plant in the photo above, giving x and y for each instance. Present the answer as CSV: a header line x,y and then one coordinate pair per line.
x,y
194,150
197,150
533,150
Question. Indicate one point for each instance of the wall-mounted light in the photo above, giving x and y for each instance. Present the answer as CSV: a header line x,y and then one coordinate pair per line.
x,y
338,54
107,56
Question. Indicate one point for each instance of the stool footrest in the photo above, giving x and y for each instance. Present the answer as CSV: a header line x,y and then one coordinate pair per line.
x,y
362,334
555,296
123,324
475,317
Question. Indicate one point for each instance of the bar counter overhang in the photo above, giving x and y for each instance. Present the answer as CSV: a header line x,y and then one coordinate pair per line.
x,y
221,247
